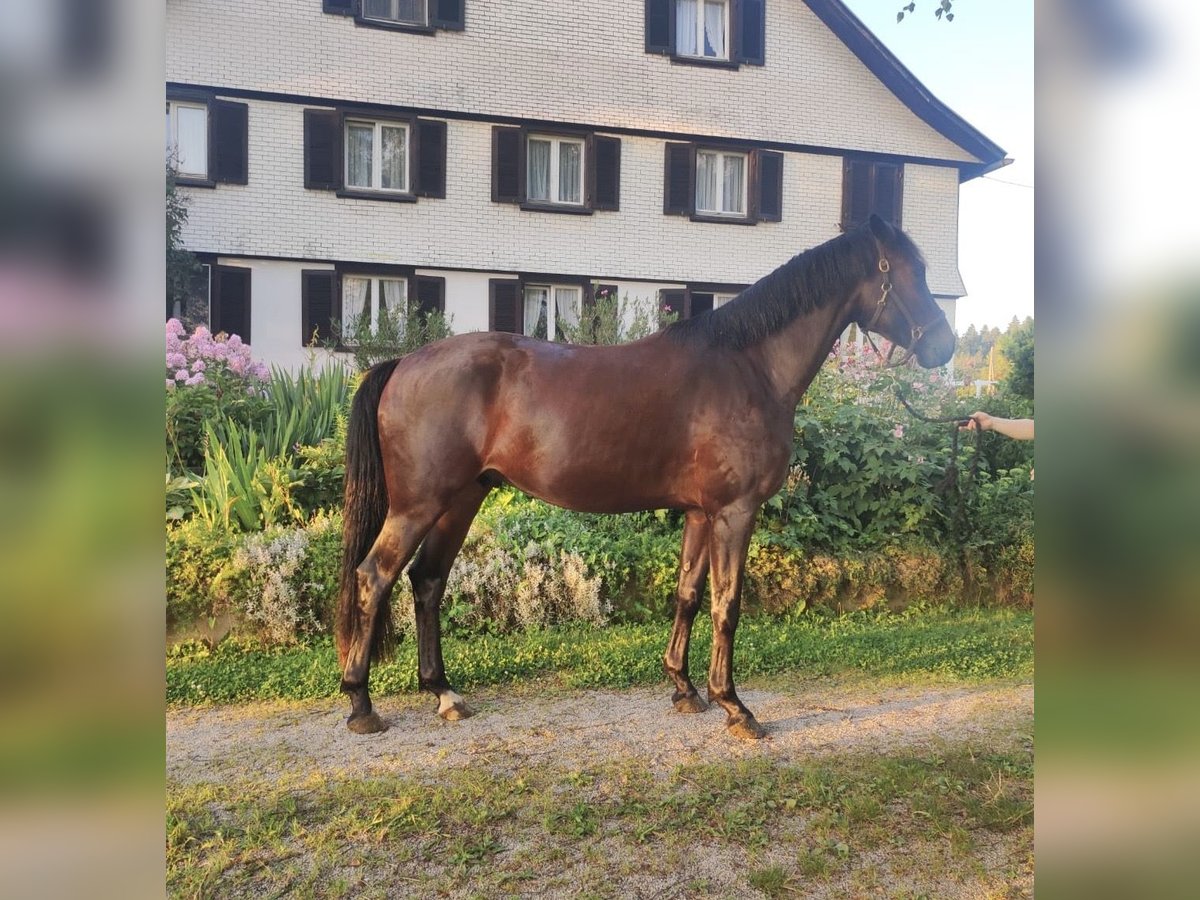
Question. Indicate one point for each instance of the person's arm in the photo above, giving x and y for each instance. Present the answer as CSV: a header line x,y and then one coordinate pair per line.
x,y
1017,429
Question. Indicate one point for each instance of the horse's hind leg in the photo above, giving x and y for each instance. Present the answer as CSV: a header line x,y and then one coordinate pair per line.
x,y
377,575
693,572
428,576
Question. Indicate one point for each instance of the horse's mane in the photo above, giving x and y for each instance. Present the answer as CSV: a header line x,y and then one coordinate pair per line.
x,y
804,283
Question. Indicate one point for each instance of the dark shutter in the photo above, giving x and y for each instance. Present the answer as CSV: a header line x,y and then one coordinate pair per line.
x,y
508,165
750,31
770,185
228,141
319,306
431,158
431,294
504,305
856,193
338,7
674,301
322,149
604,173
700,303
448,14
231,301
887,192
679,192
660,26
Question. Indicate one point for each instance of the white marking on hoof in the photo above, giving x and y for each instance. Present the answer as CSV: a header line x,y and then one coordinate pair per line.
x,y
452,707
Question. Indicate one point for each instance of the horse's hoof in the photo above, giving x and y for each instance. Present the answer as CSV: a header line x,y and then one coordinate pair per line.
x,y
690,703
452,708
366,724
746,728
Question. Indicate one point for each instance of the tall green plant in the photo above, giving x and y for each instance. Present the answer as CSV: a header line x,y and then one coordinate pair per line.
x,y
243,488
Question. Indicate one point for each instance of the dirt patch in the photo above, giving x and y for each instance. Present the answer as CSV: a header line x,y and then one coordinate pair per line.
x,y
571,730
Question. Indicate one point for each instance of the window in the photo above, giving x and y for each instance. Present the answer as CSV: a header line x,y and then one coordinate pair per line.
x,y
701,28
409,12
208,139
572,173
542,306
376,156
721,183
335,302
548,307
722,33
696,299
187,138
365,299
871,187
389,159
555,169
712,184
420,16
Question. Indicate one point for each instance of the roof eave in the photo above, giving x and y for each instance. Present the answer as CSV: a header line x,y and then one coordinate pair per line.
x,y
884,65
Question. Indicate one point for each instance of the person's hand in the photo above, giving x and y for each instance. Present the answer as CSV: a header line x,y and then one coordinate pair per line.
x,y
978,421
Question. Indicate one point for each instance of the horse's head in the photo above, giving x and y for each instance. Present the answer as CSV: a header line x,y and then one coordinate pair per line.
x,y
895,301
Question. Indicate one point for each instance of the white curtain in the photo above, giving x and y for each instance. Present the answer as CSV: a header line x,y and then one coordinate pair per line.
x,y
685,27
734,170
714,29
397,10
708,166
356,293
410,10
392,153
566,308
192,140
538,181
377,9
358,154
570,157
392,300
536,311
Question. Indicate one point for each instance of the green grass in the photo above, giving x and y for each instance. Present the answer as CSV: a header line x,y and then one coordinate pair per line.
x,y
968,644
929,812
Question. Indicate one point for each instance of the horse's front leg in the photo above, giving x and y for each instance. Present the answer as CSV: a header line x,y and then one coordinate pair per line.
x,y
693,571
728,543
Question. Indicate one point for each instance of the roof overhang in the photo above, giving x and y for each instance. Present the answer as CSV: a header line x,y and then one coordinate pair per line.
x,y
883,64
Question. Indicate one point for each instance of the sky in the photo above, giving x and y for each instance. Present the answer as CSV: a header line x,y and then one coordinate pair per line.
x,y
981,66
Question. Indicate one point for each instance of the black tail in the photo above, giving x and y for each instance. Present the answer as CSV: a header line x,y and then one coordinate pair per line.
x,y
365,509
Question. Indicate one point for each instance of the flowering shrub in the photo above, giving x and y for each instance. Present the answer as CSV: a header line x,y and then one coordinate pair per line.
x,y
208,379
204,358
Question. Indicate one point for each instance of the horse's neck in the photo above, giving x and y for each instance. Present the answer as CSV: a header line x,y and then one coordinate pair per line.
x,y
792,356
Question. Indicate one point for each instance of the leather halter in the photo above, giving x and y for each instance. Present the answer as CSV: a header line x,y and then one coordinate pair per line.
x,y
918,331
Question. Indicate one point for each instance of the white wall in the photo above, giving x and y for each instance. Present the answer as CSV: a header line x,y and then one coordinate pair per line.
x,y
560,60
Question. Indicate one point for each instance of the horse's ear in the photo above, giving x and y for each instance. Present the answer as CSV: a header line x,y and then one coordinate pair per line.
x,y
879,227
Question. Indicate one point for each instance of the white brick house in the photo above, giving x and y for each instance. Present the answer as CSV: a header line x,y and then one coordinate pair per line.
x,y
427,149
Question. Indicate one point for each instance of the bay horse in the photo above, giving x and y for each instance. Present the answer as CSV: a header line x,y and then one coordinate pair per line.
x,y
697,417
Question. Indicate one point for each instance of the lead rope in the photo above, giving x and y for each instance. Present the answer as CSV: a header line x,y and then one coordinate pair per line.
x,y
950,481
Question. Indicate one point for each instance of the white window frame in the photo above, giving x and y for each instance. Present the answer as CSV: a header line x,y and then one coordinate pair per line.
x,y
722,156
551,306
374,293
727,4
396,20
172,135
556,142
377,155
720,300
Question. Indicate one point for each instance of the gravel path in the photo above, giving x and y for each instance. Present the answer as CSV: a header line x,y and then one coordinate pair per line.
x,y
571,730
